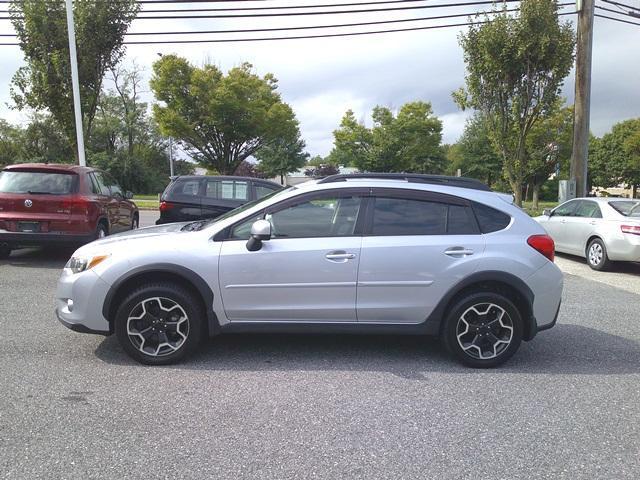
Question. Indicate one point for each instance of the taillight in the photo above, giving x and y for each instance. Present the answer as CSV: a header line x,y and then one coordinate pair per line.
x,y
543,244
164,206
632,229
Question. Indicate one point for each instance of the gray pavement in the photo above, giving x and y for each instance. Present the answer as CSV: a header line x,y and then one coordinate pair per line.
x,y
74,406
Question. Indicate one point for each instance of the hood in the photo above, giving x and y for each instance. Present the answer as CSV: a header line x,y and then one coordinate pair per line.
x,y
147,232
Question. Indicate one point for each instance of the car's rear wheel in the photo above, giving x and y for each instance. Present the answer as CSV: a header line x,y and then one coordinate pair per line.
x,y
483,330
597,257
135,222
159,324
4,252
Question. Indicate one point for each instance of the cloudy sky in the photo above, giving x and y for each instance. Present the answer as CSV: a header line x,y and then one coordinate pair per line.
x,y
322,78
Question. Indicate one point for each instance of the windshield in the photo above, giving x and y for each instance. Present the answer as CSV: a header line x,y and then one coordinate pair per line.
x,y
202,224
628,208
37,182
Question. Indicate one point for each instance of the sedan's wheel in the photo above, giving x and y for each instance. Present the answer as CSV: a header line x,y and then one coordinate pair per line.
x,y
159,324
4,252
135,223
483,330
597,255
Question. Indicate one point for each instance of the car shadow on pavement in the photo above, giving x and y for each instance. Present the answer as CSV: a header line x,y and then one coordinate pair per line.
x,y
53,258
567,349
616,267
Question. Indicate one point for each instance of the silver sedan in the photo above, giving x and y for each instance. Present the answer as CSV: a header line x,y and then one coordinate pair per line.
x,y
602,230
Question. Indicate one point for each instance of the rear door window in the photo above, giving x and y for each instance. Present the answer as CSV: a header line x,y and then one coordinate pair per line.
x,y
588,209
227,190
31,182
405,216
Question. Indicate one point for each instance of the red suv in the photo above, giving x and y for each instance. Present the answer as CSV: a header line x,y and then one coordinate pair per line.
x,y
46,204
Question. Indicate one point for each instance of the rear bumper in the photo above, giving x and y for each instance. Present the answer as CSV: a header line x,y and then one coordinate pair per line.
x,y
19,239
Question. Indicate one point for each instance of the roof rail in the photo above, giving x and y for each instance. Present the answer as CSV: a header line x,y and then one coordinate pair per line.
x,y
462,182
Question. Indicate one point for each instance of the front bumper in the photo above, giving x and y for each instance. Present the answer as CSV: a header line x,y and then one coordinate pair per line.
x,y
88,292
20,239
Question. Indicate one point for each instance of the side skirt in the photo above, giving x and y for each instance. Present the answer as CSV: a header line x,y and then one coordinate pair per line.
x,y
354,328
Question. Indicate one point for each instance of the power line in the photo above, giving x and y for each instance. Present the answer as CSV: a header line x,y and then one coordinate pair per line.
x,y
617,19
294,14
315,27
617,12
621,4
299,37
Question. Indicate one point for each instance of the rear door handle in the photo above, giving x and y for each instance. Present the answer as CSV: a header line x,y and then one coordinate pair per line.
x,y
458,252
340,256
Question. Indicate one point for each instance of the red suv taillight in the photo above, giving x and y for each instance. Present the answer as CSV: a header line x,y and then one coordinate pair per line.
x,y
633,229
164,206
543,244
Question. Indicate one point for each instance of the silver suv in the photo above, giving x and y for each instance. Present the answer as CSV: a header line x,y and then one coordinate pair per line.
x,y
374,253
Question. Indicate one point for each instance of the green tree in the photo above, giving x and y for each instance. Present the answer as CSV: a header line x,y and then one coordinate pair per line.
x,y
474,153
616,156
282,156
220,120
44,140
549,146
408,142
44,83
516,66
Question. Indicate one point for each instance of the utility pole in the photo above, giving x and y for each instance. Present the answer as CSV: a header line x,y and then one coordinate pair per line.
x,y
73,56
580,153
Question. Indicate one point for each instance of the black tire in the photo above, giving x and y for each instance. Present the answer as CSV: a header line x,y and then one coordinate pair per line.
x,y
483,325
135,222
101,231
597,257
4,253
184,343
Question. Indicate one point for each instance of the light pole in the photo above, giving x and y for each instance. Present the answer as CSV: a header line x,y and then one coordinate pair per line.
x,y
171,156
170,144
73,57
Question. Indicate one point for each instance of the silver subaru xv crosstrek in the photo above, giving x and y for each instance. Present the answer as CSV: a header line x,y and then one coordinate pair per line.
x,y
368,253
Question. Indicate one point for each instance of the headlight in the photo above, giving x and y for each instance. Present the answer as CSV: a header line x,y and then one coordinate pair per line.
x,y
80,264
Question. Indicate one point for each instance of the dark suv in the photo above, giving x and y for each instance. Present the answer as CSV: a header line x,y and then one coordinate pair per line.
x,y
198,197
44,204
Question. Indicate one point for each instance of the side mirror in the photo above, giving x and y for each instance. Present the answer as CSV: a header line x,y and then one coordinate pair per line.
x,y
260,232
129,195
546,212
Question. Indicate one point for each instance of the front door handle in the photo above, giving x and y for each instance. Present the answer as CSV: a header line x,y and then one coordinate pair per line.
x,y
340,256
458,252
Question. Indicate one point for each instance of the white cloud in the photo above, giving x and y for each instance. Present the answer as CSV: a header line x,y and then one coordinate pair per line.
x,y
323,78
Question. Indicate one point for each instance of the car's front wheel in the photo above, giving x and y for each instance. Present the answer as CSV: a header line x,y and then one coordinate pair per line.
x,y
159,324
483,330
4,252
597,257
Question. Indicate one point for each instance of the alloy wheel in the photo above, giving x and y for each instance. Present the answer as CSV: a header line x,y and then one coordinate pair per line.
x,y
484,331
596,254
157,326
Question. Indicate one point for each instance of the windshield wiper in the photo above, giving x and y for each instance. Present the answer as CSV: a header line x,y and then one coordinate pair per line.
x,y
34,192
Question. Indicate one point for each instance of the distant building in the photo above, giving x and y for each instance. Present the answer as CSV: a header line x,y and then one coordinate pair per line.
x,y
297,177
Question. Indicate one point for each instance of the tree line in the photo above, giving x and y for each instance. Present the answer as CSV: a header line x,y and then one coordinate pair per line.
x,y
519,133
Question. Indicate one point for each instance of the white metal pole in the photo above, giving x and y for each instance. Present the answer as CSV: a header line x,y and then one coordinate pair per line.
x,y
171,155
73,56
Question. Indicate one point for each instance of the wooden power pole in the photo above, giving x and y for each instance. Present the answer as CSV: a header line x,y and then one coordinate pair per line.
x,y
580,153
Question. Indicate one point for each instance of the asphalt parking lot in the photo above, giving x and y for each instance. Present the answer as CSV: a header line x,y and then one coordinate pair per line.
x,y
566,406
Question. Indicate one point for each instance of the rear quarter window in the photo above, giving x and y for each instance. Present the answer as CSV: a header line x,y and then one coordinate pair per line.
x,y
490,219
